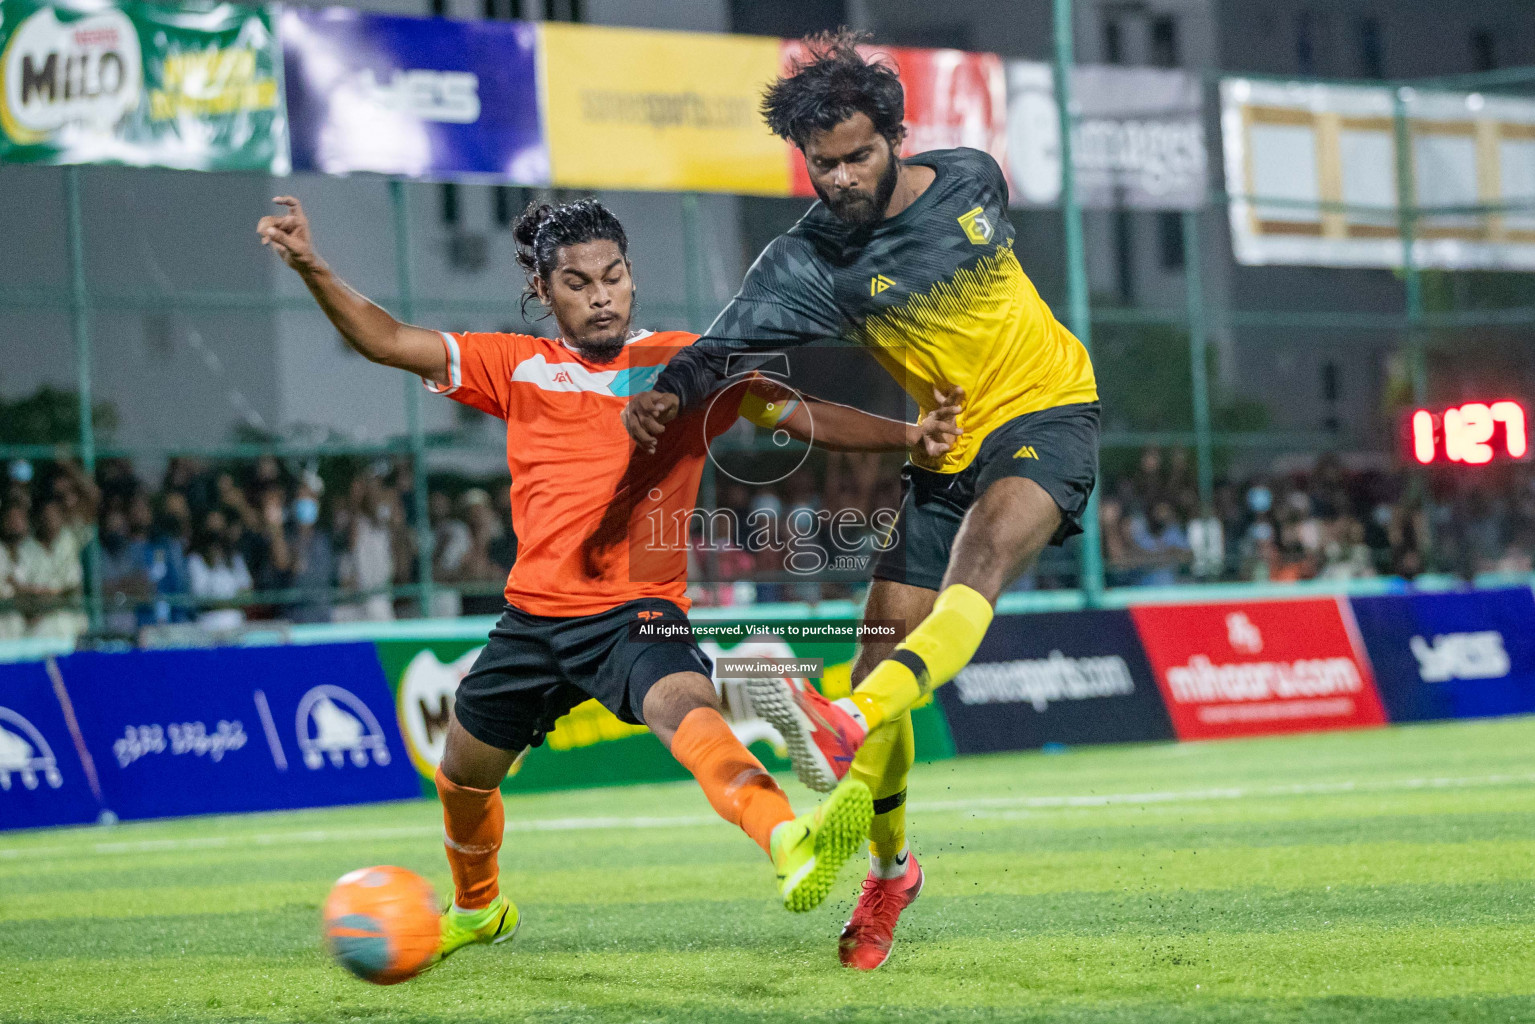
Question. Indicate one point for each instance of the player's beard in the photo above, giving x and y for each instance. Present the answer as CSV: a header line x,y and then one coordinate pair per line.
x,y
859,208
606,347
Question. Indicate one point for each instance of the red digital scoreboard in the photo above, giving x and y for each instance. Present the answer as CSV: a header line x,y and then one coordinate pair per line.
x,y
1470,434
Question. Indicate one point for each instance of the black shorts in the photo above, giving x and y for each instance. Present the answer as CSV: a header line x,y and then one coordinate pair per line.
x,y
535,668
1056,448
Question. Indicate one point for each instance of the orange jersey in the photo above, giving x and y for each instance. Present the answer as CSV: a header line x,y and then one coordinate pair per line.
x,y
584,500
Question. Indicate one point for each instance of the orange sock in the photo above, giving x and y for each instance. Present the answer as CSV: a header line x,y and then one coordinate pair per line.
x,y
473,821
737,785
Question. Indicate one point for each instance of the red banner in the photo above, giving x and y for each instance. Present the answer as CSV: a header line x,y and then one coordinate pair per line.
x,y
953,98
1254,668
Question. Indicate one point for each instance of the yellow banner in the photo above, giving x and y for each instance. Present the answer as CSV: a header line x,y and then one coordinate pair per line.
x,y
639,109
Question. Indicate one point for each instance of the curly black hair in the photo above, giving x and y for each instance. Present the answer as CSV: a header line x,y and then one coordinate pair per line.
x,y
831,84
543,230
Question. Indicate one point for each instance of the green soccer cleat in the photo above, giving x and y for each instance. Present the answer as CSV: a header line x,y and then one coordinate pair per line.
x,y
489,925
809,850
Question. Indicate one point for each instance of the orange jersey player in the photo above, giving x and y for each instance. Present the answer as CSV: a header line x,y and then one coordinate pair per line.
x,y
592,594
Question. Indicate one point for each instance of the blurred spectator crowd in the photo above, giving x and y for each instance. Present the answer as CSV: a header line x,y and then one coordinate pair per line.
x,y
221,545
1321,521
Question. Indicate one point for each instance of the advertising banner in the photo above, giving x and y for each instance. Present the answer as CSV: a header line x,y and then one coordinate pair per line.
x,y
953,98
590,746
238,729
1455,655
422,98
642,109
42,781
1138,143
1058,677
1252,668
196,88
1313,173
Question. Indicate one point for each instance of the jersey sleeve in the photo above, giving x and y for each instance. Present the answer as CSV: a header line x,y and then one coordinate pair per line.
x,y
479,371
787,299
996,177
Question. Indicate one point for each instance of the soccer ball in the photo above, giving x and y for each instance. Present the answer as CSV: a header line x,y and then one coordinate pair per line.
x,y
381,923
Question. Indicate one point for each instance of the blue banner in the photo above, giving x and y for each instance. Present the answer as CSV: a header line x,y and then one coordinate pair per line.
x,y
1466,654
422,98
239,729
42,781
1062,677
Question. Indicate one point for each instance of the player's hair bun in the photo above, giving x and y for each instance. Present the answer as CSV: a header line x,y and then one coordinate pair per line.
x,y
525,233
544,229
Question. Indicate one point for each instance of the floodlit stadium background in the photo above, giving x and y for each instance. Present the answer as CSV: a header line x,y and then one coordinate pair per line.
x,y
1255,412
1316,512
1309,387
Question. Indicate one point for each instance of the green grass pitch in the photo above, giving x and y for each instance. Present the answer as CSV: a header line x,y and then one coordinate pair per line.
x,y
1371,876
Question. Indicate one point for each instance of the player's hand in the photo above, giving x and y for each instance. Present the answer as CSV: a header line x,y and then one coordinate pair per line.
x,y
646,417
288,234
938,431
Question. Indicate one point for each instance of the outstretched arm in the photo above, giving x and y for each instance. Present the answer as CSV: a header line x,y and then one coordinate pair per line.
x,y
844,428
786,300
367,327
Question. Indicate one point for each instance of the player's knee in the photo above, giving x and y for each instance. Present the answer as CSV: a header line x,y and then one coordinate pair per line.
x,y
469,762
676,696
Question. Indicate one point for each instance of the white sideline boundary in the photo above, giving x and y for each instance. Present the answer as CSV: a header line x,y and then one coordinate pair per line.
x,y
980,805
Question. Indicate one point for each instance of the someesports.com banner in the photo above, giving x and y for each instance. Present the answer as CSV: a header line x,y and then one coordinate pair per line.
x,y
1060,677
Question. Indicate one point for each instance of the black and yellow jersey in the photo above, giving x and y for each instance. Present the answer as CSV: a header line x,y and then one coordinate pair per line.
x,y
936,293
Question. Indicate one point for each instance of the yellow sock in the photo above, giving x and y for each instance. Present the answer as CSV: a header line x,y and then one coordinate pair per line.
x,y
882,764
933,654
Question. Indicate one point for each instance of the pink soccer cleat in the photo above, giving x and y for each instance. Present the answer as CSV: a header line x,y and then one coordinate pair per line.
x,y
821,735
869,934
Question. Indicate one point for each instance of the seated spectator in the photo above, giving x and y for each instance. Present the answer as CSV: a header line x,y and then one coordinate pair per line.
x,y
1345,555
1113,528
372,521
13,531
479,565
80,499
162,552
503,549
50,579
1160,545
311,565
450,538
125,585
218,575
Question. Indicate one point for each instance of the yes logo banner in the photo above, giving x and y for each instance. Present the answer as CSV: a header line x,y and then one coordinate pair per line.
x,y
1453,655
134,83
424,98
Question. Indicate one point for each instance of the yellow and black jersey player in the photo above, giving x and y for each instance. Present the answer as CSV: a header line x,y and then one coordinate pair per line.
x,y
915,260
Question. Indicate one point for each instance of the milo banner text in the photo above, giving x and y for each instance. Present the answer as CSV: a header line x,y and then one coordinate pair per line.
x,y
134,83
